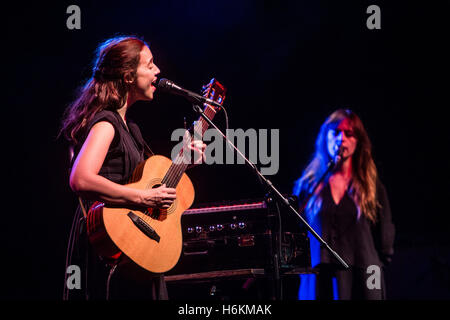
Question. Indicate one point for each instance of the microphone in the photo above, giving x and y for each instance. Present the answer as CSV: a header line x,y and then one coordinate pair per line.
x,y
169,86
339,156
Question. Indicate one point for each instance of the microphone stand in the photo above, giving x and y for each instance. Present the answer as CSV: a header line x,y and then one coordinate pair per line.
x,y
268,184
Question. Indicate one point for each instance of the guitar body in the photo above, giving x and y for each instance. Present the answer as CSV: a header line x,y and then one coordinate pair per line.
x,y
112,231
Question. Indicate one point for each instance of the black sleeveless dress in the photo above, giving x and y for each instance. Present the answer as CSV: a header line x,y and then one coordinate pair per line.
x,y
127,281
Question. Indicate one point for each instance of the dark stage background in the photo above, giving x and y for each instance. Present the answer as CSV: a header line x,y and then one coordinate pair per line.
x,y
287,65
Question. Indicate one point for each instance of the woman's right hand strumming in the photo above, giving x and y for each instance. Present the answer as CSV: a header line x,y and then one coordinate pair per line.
x,y
160,197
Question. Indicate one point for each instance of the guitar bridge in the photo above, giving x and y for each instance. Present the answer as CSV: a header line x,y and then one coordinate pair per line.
x,y
144,227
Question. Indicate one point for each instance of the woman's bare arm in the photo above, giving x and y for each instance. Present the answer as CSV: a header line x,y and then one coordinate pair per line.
x,y
86,182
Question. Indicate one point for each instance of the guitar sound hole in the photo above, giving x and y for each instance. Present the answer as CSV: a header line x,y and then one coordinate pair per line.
x,y
157,213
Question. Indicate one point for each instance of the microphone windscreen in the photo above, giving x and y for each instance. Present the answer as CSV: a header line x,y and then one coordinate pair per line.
x,y
163,84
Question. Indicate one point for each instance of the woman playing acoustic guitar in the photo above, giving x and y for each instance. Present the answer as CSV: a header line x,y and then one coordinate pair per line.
x,y
107,148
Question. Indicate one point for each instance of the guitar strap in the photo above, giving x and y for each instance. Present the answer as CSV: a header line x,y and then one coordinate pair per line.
x,y
147,149
135,132
82,207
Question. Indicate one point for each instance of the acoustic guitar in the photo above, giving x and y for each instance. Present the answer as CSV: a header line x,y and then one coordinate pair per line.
x,y
151,238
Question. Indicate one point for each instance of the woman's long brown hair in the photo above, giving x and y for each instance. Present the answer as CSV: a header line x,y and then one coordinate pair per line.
x,y
364,175
117,59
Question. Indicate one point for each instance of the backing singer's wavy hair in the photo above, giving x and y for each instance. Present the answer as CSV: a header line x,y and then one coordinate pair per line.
x,y
364,180
116,60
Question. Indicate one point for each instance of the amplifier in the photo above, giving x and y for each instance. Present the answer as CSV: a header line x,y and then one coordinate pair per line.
x,y
236,235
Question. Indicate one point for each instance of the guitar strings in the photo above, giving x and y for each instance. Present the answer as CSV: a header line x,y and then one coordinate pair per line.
x,y
175,173
178,166
201,127
178,172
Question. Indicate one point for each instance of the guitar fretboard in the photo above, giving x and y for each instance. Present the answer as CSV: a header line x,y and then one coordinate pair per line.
x,y
179,165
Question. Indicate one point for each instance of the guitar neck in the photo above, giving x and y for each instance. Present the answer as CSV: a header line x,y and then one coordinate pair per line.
x,y
202,125
178,166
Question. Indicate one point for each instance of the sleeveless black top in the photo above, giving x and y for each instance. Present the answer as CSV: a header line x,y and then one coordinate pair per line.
x,y
126,150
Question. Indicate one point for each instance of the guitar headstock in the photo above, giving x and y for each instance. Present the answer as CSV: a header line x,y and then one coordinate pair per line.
x,y
215,91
